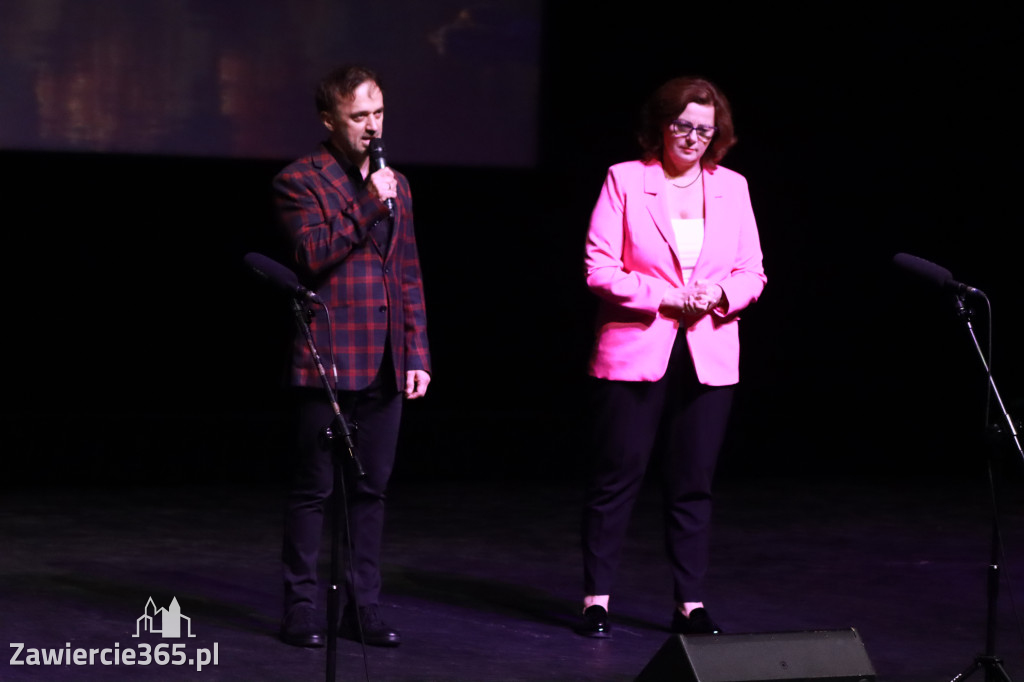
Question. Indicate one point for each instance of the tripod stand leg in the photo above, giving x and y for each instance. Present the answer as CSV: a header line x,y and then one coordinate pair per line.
x,y
966,672
992,665
333,596
1002,674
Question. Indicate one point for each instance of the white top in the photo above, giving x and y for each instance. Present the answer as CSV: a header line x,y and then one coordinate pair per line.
x,y
689,240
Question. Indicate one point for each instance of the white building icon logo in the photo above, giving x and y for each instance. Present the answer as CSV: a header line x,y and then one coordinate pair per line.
x,y
165,621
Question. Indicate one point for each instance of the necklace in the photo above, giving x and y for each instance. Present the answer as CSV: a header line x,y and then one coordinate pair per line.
x,y
699,176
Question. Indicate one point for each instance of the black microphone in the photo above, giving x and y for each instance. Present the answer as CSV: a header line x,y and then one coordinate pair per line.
x,y
936,275
280,276
377,162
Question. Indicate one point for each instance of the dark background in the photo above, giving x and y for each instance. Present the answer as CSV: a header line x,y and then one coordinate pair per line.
x,y
140,349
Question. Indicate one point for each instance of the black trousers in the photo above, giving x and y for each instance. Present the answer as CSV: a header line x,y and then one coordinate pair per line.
x,y
629,418
375,414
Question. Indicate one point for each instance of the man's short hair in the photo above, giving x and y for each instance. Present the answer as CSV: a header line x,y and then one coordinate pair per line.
x,y
342,82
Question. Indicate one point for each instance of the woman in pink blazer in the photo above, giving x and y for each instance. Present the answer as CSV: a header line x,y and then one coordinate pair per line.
x,y
673,255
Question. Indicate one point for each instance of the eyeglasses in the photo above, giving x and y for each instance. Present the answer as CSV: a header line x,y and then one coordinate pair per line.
x,y
684,128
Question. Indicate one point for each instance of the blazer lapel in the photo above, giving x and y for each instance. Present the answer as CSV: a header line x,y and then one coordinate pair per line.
x,y
332,171
337,175
714,203
715,207
657,204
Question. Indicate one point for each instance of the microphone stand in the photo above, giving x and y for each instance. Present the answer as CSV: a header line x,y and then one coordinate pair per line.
x,y
991,664
339,427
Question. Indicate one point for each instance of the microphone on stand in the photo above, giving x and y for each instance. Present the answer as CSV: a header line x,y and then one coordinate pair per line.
x,y
377,162
935,275
280,276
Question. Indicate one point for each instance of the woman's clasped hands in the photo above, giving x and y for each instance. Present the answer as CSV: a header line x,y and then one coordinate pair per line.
x,y
695,298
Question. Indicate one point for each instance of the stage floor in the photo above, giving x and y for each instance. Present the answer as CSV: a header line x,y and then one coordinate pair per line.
x,y
483,579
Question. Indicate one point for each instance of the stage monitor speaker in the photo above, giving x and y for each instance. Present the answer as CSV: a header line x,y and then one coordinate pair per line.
x,y
832,655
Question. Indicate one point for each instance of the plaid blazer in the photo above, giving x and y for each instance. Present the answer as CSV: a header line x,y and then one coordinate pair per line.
x,y
373,290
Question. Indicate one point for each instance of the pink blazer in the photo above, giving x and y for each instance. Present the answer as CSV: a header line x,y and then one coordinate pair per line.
x,y
631,261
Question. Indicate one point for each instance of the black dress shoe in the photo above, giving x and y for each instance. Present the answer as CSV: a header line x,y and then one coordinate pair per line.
x,y
300,628
373,631
699,623
594,623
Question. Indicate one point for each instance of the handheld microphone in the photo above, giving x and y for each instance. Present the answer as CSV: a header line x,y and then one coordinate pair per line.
x,y
935,275
280,276
377,162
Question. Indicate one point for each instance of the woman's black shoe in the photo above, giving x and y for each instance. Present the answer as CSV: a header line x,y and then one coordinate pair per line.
x,y
699,623
594,623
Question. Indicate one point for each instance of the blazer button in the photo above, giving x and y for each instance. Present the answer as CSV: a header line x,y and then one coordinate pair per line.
x,y
383,308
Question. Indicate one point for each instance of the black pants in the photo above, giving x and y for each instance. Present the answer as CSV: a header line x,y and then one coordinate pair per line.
x,y
377,412
629,419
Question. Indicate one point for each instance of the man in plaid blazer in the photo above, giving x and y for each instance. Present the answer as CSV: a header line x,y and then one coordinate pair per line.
x,y
351,227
